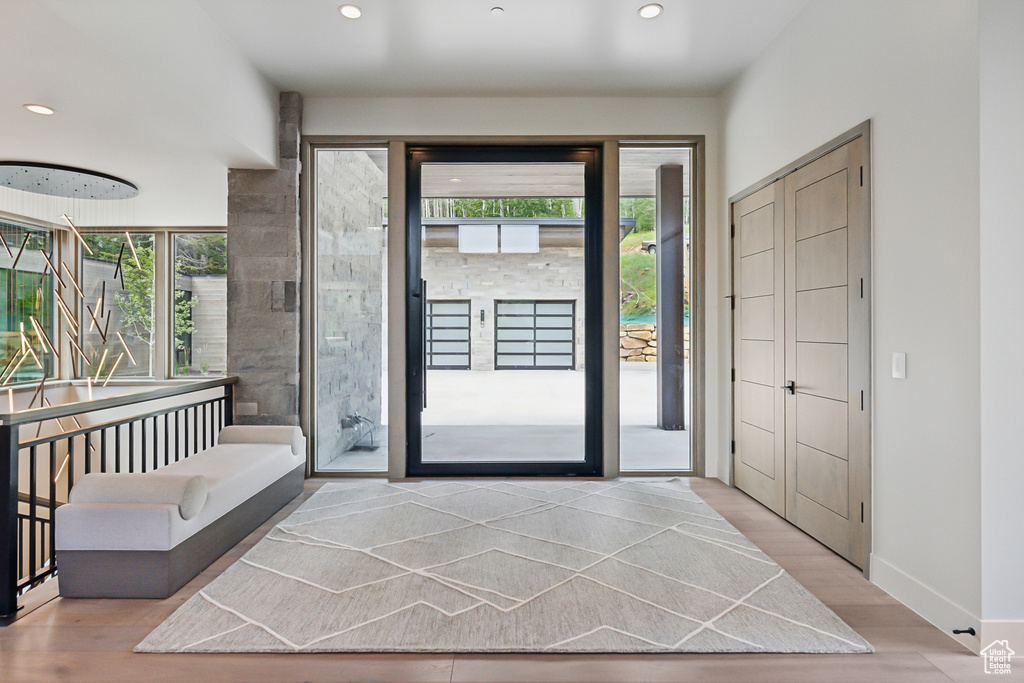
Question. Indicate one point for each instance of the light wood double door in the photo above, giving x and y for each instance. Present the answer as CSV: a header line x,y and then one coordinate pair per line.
x,y
802,347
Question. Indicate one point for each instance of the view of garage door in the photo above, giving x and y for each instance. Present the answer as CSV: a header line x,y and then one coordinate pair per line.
x,y
533,335
447,335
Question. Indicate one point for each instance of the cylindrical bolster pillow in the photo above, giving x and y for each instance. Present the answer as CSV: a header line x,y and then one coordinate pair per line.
x,y
264,434
187,491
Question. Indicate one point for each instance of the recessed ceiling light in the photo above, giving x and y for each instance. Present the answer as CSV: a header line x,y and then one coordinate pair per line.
x,y
39,109
497,11
350,11
650,11
455,180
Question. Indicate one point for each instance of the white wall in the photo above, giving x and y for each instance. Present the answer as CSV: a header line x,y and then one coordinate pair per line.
x,y
1002,319
369,117
912,68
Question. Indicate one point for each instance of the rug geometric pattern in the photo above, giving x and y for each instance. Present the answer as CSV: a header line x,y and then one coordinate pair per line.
x,y
504,566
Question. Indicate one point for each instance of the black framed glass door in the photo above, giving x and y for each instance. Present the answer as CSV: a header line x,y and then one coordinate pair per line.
x,y
503,229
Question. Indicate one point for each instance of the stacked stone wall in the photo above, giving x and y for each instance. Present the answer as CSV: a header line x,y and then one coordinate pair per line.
x,y
638,343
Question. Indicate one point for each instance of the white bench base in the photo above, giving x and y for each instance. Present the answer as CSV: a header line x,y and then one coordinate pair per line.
x,y
161,573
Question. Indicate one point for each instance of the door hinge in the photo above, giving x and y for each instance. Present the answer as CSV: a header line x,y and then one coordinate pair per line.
x,y
862,288
862,399
734,374
862,176
862,513
732,230
732,302
732,447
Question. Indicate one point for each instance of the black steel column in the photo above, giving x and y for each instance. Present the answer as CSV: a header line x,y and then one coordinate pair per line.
x,y
9,520
671,263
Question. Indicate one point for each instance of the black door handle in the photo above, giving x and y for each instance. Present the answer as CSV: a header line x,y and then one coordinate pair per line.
x,y
789,386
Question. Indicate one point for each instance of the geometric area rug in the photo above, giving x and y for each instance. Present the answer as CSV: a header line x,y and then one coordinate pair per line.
x,y
504,566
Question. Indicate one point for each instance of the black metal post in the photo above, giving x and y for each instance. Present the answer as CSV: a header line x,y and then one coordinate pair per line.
x,y
9,511
229,405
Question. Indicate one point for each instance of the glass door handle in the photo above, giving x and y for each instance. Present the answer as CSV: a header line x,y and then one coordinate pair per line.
x,y
789,386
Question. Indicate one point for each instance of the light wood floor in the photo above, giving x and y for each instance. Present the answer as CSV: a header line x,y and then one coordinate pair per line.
x,y
92,640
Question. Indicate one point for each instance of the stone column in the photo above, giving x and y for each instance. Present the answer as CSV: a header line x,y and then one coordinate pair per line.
x,y
264,272
671,264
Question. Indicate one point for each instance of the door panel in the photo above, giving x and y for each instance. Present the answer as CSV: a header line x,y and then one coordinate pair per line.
x,y
823,479
758,228
758,274
759,251
821,261
757,318
822,315
822,206
534,334
823,424
821,370
759,454
824,312
758,361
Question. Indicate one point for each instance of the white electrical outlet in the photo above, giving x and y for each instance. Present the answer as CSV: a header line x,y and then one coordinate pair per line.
x,y
899,365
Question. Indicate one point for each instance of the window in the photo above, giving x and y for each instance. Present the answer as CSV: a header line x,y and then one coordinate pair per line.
x,y
200,305
27,291
118,325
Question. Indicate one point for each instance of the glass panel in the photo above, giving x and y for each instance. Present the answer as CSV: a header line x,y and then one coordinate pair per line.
x,y
506,322
351,334
200,305
28,304
119,287
462,334
450,308
538,268
448,347
553,347
515,347
554,335
650,441
506,334
556,361
559,308
514,308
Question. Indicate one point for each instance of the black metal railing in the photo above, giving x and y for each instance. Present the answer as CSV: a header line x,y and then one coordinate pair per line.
x,y
37,473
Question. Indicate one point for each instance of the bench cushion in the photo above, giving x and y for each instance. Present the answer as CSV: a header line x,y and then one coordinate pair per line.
x,y
233,473
264,434
185,491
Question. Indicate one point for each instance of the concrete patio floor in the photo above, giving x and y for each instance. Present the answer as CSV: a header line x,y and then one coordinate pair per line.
x,y
536,415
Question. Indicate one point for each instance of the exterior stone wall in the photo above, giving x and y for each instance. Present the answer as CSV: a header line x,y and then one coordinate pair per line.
x,y
264,272
553,273
638,342
350,307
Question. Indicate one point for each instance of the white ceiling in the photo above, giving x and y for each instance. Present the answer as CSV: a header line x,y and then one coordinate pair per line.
x,y
168,94
535,48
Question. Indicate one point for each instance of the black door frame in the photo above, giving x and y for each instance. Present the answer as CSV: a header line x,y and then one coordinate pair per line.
x,y
590,157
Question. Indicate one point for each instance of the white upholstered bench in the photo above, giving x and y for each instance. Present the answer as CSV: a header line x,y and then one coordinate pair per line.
x,y
147,535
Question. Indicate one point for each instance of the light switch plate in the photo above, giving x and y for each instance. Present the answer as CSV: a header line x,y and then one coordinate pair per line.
x,y
899,365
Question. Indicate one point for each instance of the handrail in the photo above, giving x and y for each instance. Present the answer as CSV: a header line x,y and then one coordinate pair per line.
x,y
79,407
88,429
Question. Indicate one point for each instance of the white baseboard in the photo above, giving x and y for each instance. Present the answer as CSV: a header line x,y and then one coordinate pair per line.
x,y
934,607
1011,631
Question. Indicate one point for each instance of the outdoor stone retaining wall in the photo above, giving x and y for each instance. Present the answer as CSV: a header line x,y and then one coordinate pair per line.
x,y
638,342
